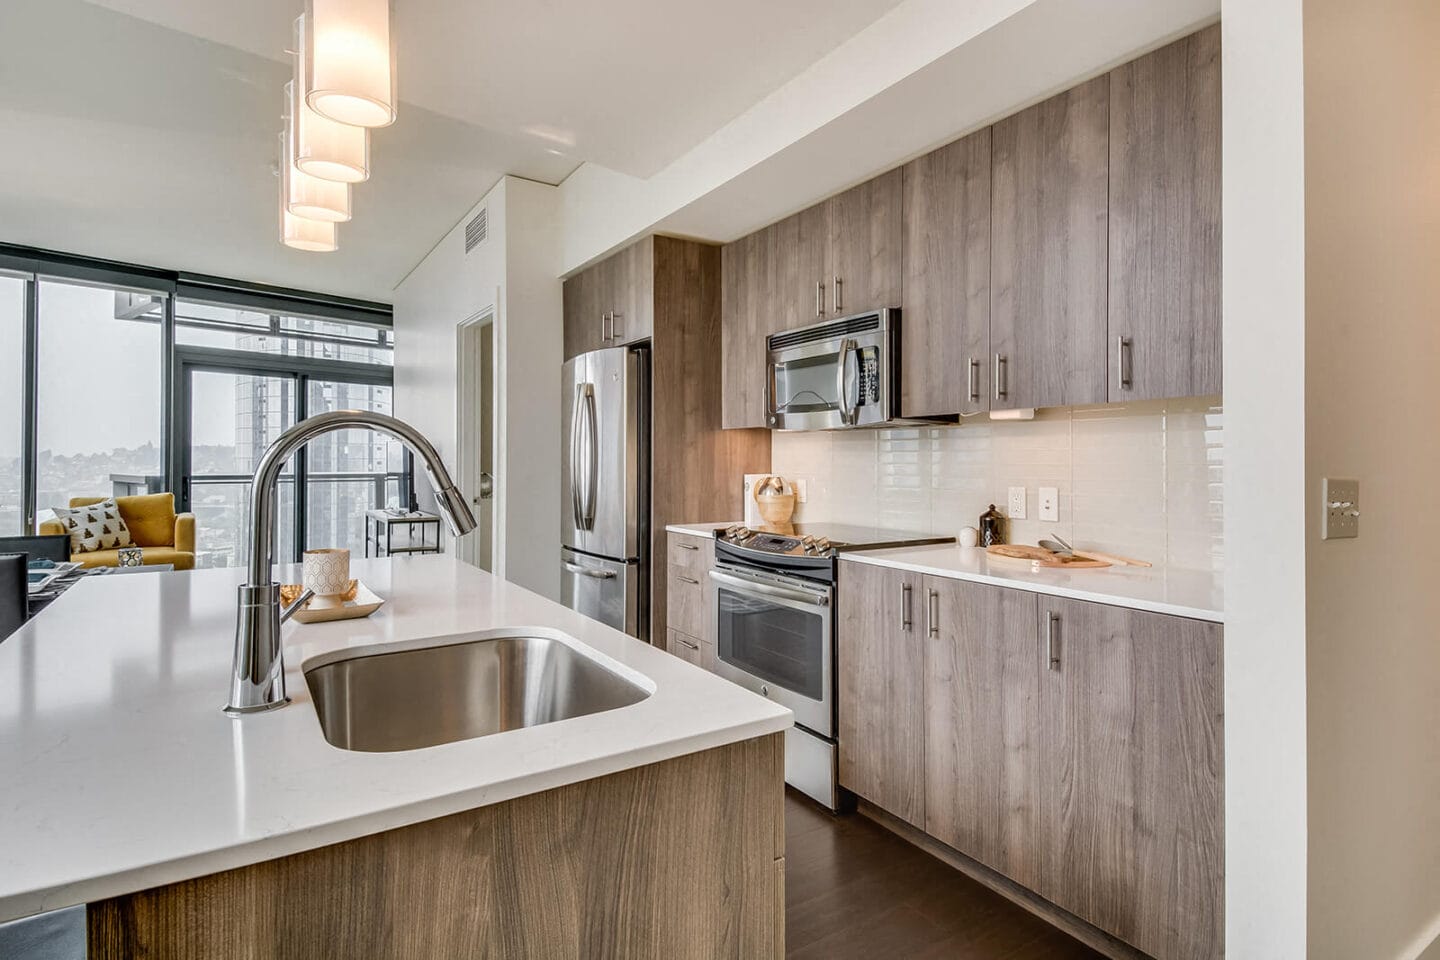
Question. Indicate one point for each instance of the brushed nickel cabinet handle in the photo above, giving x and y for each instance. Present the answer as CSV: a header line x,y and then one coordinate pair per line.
x,y
1124,362
1002,389
604,319
688,580
839,287
905,591
692,646
1052,640
972,380
687,546
614,330
932,613
819,298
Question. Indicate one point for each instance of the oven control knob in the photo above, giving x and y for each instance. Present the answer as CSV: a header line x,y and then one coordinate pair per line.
x,y
764,690
822,545
744,533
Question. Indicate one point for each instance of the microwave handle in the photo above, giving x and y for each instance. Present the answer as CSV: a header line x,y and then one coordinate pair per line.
x,y
842,381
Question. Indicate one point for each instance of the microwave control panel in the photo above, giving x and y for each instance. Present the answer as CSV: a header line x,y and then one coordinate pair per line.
x,y
869,375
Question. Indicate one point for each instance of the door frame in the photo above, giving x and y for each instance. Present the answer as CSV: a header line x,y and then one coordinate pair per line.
x,y
470,440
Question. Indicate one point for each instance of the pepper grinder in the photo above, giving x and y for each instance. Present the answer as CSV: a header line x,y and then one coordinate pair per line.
x,y
992,527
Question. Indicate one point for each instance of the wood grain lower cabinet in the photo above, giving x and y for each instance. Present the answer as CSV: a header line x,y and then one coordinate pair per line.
x,y
685,647
1131,800
881,654
982,772
691,603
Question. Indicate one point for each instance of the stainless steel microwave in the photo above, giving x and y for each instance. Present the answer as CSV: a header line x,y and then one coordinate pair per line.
x,y
834,375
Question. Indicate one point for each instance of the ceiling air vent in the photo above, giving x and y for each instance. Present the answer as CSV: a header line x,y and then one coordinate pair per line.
x,y
477,229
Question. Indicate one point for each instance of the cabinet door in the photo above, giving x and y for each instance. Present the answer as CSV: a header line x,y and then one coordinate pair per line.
x,y
1131,749
742,342
945,323
632,289
1165,222
1049,261
982,724
582,313
864,250
881,665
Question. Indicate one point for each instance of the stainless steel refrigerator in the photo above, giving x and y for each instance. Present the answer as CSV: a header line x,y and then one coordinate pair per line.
x,y
605,487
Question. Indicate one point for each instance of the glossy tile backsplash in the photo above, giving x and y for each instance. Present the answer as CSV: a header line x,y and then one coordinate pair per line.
x,y
1141,479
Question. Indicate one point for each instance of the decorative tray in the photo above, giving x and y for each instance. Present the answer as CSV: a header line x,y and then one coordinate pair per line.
x,y
359,601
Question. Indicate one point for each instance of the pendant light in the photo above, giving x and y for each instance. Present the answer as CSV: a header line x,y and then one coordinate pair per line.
x,y
307,196
349,58
324,148
315,236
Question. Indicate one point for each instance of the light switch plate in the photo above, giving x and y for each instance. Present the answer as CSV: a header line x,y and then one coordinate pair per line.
x,y
1049,504
1341,503
1015,510
799,486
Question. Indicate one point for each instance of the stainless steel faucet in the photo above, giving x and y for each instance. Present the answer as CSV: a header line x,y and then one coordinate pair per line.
x,y
259,675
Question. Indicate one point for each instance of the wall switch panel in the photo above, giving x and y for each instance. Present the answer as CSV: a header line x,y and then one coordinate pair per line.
x,y
1341,519
1049,504
799,486
1016,508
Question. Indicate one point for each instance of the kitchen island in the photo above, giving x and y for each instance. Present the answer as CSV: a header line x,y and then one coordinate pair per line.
x,y
650,830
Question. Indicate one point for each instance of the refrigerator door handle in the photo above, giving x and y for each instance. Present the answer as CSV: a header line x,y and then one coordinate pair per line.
x,y
575,506
592,482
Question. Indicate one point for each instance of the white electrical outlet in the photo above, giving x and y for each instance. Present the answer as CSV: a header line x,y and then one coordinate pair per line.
x,y
799,486
1049,503
1341,519
1016,508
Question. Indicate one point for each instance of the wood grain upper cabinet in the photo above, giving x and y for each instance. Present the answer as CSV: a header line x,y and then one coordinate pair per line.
x,y
881,657
1165,222
1131,748
945,323
1048,303
863,260
981,728
584,317
631,285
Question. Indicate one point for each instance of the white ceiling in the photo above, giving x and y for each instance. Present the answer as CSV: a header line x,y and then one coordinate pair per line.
x,y
144,130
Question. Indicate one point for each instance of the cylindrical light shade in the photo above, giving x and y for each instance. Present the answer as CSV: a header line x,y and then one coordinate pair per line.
x,y
317,236
350,61
324,148
307,196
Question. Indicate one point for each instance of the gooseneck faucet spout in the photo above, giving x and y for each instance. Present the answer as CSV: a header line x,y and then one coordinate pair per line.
x,y
259,673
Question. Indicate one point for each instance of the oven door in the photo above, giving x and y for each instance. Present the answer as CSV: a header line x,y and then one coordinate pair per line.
x,y
775,637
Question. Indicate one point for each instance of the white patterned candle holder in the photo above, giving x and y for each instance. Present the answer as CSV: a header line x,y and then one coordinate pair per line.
x,y
327,572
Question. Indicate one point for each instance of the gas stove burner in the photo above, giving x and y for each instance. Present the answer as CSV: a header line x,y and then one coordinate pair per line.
x,y
817,540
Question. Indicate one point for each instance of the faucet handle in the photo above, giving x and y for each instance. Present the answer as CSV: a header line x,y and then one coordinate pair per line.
x,y
300,601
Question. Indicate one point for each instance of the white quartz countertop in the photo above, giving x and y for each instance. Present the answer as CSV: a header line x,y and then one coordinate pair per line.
x,y
120,772
1182,593
699,529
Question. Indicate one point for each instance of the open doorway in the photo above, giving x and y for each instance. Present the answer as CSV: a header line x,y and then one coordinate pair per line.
x,y
475,432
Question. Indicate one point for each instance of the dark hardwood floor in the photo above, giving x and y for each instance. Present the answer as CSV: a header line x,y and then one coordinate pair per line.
x,y
854,889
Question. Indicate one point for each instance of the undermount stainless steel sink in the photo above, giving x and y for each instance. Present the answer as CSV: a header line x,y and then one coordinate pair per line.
x,y
458,689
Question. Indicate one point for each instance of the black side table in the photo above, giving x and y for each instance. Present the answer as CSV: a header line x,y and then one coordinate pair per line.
x,y
421,533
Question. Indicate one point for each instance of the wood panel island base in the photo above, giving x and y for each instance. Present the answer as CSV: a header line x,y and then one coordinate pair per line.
x,y
678,859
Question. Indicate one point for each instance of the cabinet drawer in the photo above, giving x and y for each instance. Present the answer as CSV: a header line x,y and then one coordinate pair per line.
x,y
687,609
685,647
690,555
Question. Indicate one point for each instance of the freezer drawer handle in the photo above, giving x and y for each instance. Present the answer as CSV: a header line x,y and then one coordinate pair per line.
x,y
590,572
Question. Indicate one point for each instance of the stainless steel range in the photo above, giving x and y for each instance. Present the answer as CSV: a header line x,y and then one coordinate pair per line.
x,y
775,601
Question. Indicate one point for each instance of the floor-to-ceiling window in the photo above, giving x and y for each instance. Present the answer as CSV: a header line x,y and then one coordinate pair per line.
x,y
117,380
12,400
246,375
98,391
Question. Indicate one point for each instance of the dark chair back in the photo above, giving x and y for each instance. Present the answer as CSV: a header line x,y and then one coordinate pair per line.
x,y
56,547
14,603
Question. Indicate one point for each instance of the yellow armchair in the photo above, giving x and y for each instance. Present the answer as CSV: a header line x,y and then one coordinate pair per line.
x,y
162,535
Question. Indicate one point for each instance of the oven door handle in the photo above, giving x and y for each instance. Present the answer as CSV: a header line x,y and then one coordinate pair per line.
x,y
769,590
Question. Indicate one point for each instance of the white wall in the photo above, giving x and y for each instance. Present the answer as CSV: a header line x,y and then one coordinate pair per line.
x,y
514,273
1265,618
1372,353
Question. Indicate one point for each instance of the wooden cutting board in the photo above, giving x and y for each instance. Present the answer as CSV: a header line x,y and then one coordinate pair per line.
x,y
1039,556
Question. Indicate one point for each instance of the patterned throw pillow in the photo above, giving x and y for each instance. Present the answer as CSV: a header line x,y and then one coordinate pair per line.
x,y
96,527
